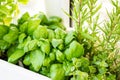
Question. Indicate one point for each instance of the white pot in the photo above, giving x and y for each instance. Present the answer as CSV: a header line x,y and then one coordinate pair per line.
x,y
10,71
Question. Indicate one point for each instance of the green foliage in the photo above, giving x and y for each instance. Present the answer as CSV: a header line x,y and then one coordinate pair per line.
x,y
8,8
99,40
43,45
39,47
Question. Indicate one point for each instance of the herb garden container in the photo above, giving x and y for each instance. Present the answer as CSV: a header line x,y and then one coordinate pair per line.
x,y
42,44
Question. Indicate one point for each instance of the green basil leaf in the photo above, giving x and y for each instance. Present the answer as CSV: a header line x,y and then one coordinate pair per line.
x,y
37,59
60,56
75,50
12,35
17,54
25,17
22,45
43,18
30,45
67,67
70,37
51,34
21,37
45,46
33,24
3,45
61,47
52,56
40,32
57,72
23,28
47,62
26,60
56,42
59,33
54,19
3,31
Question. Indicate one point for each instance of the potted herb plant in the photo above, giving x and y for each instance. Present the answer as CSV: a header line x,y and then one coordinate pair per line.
x,y
43,45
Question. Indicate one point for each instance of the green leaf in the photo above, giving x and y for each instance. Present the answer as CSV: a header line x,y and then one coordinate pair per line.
x,y
67,67
81,75
22,45
37,59
3,45
61,47
57,72
3,31
96,9
12,35
113,2
52,55
76,62
92,69
23,28
70,37
30,45
11,50
25,17
42,17
56,42
26,60
47,62
56,25
45,46
111,77
60,56
75,50
4,10
54,19
22,37
59,33
102,70
40,32
51,34
7,20
17,54
33,24
101,63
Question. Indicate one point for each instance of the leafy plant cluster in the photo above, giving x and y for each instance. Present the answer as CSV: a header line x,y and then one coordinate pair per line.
x,y
43,45
9,9
99,40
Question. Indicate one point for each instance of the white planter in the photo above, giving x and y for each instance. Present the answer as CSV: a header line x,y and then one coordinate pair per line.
x,y
10,71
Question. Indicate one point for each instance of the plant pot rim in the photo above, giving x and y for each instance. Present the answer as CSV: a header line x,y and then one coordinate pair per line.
x,y
10,71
